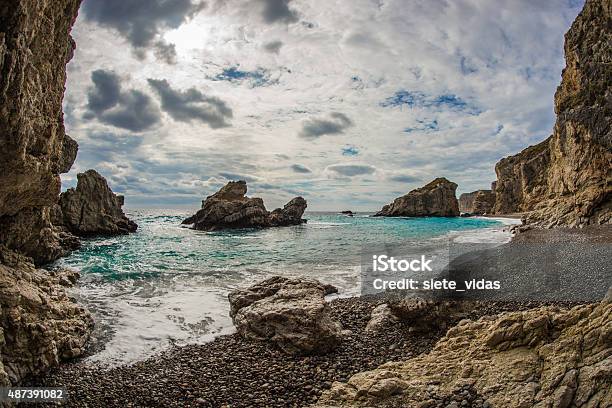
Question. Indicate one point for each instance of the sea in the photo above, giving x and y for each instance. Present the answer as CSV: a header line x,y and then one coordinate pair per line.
x,y
167,284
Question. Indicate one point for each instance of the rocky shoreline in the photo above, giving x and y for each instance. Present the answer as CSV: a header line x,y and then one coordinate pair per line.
x,y
233,371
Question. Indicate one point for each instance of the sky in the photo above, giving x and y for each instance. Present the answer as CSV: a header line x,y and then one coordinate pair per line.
x,y
348,103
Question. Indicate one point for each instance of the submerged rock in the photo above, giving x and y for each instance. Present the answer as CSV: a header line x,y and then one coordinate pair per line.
x,y
436,199
565,180
39,324
544,357
291,313
230,208
92,208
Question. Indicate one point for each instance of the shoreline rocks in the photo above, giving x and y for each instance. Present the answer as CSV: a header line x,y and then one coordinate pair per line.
x,y
436,199
230,208
92,208
290,313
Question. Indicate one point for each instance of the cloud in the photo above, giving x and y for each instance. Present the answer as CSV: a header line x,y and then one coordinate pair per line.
x,y
190,105
141,22
132,110
275,11
298,168
235,177
336,123
273,46
351,170
404,178
166,52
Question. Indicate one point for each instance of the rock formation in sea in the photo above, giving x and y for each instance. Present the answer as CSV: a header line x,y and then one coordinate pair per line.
x,y
478,202
567,179
40,324
436,199
230,208
291,313
543,357
92,208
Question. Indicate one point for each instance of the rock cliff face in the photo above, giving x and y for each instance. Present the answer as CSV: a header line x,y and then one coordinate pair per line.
x,y
291,313
477,202
567,179
230,208
436,199
40,325
92,208
35,46
545,357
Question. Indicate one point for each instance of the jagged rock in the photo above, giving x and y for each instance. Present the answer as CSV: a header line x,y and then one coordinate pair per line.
x,y
436,199
230,208
544,357
291,313
381,317
39,324
35,46
92,208
478,202
566,180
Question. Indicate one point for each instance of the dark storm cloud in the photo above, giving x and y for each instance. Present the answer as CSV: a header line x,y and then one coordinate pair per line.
x,y
132,110
350,170
166,52
315,128
278,11
106,91
140,21
190,105
273,46
298,168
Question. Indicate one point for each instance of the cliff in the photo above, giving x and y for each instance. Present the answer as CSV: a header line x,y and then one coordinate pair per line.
x,y
230,208
40,324
567,179
477,202
436,199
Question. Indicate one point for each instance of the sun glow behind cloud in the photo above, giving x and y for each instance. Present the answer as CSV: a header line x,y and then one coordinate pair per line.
x,y
346,103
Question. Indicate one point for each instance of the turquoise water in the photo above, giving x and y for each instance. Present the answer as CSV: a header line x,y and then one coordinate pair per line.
x,y
169,284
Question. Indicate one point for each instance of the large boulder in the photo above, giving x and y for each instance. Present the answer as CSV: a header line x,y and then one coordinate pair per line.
x,y
92,208
566,180
291,313
230,208
544,357
39,324
436,199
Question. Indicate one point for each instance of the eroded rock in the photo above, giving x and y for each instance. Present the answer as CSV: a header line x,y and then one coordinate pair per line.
x,y
478,202
92,208
230,208
40,325
544,357
436,199
291,313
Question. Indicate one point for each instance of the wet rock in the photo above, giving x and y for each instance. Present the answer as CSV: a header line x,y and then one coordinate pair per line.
x,y
291,313
436,199
230,208
40,325
92,208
